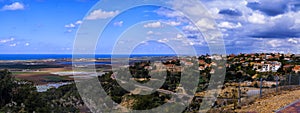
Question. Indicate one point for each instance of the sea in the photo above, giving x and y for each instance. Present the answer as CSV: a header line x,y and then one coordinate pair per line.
x,y
62,56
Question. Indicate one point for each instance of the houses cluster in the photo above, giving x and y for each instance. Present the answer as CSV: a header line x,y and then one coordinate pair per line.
x,y
267,66
260,62
267,62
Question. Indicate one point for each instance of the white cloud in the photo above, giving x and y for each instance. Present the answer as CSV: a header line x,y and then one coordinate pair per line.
x,y
295,16
27,44
173,23
14,6
163,40
190,28
257,18
297,21
230,25
169,13
69,31
275,43
70,26
7,40
192,43
179,36
277,33
120,23
78,22
153,25
153,33
189,7
13,45
144,42
205,24
73,25
214,12
99,14
150,32
293,41
179,16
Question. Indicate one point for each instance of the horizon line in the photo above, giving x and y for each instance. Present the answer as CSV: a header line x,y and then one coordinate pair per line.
x,y
135,53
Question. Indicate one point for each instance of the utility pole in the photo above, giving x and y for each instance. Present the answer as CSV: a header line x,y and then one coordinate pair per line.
x,y
299,79
277,77
290,79
260,91
239,92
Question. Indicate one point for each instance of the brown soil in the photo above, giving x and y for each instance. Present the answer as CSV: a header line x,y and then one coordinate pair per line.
x,y
56,69
272,102
38,79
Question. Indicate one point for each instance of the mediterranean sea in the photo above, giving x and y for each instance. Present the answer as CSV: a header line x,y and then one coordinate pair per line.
x,y
62,56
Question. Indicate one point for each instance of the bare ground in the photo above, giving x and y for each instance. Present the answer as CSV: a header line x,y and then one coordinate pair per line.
x,y
272,102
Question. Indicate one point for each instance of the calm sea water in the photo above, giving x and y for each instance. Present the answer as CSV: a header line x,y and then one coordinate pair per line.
x,y
61,56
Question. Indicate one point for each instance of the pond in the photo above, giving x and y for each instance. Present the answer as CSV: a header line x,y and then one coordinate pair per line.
x,y
44,88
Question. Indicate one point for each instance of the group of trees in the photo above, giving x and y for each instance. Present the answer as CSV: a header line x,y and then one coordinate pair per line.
x,y
119,95
138,70
21,96
143,102
6,87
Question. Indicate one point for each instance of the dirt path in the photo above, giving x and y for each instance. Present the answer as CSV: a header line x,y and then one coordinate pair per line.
x,y
292,108
272,103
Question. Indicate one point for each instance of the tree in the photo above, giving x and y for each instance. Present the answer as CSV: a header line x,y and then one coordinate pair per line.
x,y
7,85
270,78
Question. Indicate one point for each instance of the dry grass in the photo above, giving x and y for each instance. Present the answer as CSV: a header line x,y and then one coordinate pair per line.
x,y
270,102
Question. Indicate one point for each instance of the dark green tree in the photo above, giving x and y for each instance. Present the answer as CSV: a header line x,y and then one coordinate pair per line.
x,y
7,84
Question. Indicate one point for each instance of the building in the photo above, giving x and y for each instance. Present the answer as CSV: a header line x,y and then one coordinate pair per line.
x,y
296,69
271,66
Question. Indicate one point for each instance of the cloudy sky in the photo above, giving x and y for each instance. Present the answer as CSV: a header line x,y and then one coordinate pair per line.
x,y
248,26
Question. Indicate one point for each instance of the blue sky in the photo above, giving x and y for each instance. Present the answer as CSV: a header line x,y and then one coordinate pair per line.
x,y
248,26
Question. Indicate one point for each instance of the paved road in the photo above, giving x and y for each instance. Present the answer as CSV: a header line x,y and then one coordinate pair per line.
x,y
292,108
